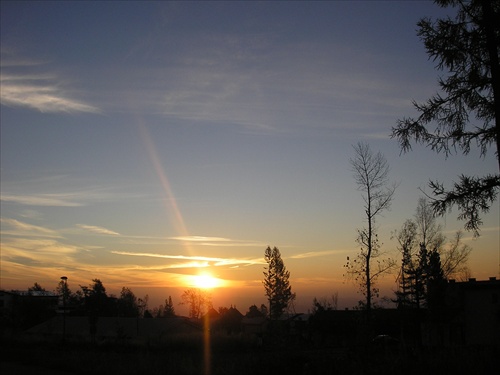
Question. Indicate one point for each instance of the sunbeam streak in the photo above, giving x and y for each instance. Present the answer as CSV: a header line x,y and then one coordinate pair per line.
x,y
171,203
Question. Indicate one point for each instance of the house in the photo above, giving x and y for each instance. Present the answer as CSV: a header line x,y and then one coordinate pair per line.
x,y
13,300
471,315
211,316
255,326
25,309
478,303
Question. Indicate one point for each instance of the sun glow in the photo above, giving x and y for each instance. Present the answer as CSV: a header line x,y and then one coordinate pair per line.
x,y
206,281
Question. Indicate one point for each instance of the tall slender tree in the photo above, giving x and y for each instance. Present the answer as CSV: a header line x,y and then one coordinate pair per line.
x,y
276,283
407,241
371,173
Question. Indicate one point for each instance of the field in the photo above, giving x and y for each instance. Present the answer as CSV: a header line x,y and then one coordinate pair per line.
x,y
188,354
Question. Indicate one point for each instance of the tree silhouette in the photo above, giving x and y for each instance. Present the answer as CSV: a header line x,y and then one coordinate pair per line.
x,y
36,288
454,259
197,300
254,312
426,257
431,240
322,304
169,309
436,282
127,303
96,301
371,175
468,47
407,241
276,283
64,291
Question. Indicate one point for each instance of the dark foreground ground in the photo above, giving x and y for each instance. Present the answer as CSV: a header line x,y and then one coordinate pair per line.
x,y
234,355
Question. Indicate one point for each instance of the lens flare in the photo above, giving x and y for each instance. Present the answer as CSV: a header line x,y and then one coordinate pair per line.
x,y
170,202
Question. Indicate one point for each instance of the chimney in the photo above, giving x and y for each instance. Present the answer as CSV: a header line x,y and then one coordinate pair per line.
x,y
472,280
493,278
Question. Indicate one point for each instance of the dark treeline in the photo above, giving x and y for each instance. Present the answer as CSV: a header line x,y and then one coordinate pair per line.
x,y
37,304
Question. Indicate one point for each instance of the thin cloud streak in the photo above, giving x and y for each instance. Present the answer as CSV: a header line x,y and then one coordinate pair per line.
x,y
44,98
22,228
193,240
313,254
200,238
213,261
47,200
98,230
216,241
75,197
34,89
233,244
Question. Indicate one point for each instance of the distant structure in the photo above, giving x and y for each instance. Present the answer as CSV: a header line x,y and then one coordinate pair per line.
x,y
11,300
20,310
471,317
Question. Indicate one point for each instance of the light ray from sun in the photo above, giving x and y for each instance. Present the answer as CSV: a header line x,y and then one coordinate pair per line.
x,y
171,202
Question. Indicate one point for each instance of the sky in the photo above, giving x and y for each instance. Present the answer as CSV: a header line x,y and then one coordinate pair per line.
x,y
147,143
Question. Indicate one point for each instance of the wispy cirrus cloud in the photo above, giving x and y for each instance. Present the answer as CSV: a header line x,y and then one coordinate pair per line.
x,y
37,252
313,254
98,230
21,228
38,246
52,200
216,241
200,239
59,192
45,97
24,83
195,261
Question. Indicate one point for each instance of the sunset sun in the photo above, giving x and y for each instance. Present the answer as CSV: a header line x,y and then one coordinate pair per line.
x,y
206,281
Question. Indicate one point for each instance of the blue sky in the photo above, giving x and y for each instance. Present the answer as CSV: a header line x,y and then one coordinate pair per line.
x,y
145,141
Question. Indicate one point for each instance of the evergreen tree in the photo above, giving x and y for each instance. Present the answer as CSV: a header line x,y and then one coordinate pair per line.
x,y
95,300
276,283
469,111
436,282
420,277
36,288
127,303
63,290
407,239
169,308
